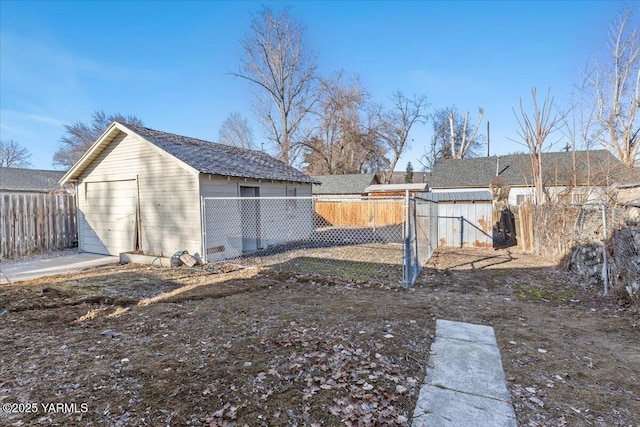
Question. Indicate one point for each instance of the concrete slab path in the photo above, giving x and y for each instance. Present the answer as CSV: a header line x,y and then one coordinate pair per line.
x,y
465,383
19,271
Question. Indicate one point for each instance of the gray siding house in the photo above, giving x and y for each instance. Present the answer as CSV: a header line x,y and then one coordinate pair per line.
x,y
569,177
142,189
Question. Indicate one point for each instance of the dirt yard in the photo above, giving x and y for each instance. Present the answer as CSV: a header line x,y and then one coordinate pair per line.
x,y
134,345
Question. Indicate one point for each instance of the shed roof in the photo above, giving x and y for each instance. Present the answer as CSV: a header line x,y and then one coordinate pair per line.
x,y
383,188
203,156
515,169
458,196
19,179
344,184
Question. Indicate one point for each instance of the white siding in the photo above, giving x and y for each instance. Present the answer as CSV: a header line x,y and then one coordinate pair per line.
x,y
166,192
279,220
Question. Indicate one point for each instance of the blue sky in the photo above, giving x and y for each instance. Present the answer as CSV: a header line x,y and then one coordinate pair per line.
x,y
168,62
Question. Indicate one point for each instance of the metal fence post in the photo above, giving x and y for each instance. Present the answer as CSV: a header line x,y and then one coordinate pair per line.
x,y
406,258
605,264
204,229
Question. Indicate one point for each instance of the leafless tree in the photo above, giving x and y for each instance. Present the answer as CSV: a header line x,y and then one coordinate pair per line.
x,y
465,142
462,144
80,136
581,131
344,140
396,124
283,76
235,130
615,80
534,130
13,155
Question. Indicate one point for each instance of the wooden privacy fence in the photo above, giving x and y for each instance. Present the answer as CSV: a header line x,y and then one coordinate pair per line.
x,y
523,224
34,223
361,212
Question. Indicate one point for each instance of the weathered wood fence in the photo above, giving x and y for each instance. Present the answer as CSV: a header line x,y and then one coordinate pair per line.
x,y
35,223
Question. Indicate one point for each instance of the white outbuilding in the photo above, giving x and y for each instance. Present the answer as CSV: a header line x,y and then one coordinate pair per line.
x,y
140,189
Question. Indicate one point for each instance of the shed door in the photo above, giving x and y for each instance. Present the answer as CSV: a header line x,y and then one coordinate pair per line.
x,y
250,219
110,212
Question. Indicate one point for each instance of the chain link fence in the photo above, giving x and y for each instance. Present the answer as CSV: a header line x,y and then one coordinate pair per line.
x,y
599,242
422,235
378,239
356,239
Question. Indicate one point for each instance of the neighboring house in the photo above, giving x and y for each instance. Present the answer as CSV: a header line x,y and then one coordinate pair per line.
x,y
396,189
143,189
628,188
18,180
344,185
398,177
570,177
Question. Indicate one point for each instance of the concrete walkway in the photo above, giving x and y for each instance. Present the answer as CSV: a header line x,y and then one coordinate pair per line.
x,y
16,272
465,383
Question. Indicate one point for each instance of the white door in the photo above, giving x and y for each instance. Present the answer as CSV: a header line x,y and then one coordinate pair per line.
x,y
110,215
250,219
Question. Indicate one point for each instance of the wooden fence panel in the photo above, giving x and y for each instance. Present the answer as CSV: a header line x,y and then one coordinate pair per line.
x,y
361,213
35,223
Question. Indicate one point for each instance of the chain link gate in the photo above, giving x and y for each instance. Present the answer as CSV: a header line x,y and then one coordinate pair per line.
x,y
422,236
360,239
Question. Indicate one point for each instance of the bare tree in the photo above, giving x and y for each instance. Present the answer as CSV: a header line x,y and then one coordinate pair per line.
x,y
344,140
616,84
235,130
80,136
396,124
13,155
283,75
463,143
534,130
450,128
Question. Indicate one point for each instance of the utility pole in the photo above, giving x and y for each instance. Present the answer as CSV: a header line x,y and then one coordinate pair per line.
x,y
488,140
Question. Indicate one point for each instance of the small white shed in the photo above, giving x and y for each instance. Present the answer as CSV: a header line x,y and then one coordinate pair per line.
x,y
140,189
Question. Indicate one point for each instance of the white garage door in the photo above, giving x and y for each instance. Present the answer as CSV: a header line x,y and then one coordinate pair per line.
x,y
110,213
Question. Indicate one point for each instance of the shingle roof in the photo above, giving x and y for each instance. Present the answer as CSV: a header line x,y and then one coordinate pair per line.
x,y
344,184
397,177
515,169
218,159
17,179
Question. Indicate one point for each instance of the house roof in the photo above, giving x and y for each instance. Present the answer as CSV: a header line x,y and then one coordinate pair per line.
x,y
203,156
458,196
397,177
18,179
344,184
595,166
382,188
